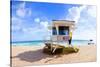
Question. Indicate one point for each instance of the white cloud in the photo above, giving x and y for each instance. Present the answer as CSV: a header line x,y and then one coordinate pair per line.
x,y
92,11
40,30
16,23
16,20
30,30
37,31
40,27
29,12
74,13
44,24
37,20
19,25
41,23
22,11
85,35
86,26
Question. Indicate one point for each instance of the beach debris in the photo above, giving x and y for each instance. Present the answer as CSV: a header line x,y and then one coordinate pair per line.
x,y
90,42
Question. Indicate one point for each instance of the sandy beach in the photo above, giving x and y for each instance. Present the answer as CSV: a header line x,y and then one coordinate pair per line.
x,y
32,55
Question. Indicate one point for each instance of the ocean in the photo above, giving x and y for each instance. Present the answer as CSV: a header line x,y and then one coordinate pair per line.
x,y
41,43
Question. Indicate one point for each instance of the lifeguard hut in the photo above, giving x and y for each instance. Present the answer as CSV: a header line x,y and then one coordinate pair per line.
x,y
60,33
61,29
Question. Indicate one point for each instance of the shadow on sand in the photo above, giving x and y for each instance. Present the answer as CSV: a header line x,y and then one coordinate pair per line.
x,y
32,56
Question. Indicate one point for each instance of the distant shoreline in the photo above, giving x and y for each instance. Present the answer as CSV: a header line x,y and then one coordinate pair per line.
x,y
42,41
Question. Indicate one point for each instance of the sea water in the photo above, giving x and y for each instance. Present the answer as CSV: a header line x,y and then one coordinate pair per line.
x,y
41,43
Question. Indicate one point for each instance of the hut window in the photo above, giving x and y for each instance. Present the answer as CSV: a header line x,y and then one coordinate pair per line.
x,y
63,30
54,32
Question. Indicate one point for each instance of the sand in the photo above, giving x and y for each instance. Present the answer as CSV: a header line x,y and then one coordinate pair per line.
x,y
32,55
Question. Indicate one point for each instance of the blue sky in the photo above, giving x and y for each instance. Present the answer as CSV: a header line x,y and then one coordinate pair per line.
x,y
31,19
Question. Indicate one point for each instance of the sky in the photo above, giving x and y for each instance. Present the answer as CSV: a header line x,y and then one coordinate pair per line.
x,y
30,20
